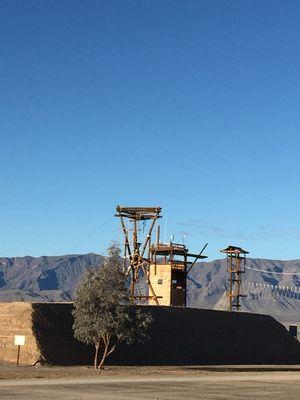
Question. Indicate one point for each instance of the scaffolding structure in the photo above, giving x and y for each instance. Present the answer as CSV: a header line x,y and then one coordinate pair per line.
x,y
158,271
236,260
137,248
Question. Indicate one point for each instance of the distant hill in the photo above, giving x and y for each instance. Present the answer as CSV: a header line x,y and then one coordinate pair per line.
x,y
44,278
274,293
54,278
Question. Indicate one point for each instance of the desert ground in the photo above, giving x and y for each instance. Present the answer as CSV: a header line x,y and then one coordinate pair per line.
x,y
156,383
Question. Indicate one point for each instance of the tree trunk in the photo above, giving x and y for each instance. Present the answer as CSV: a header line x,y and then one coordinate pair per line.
x,y
96,354
104,355
107,351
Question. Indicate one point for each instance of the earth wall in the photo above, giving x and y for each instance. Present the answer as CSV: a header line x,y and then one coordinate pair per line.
x,y
16,319
177,336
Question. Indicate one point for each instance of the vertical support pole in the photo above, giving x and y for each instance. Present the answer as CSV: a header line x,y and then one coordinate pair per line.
x,y
135,241
135,258
149,249
229,269
238,292
125,257
18,356
185,279
132,288
126,236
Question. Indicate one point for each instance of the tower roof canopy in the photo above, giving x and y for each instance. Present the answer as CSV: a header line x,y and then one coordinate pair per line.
x,y
175,249
234,249
138,213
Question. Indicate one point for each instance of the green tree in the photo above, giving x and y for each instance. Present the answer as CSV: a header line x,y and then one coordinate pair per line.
x,y
102,315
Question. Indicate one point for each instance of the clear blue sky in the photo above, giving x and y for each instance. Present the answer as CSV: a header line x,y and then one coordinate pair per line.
x,y
190,105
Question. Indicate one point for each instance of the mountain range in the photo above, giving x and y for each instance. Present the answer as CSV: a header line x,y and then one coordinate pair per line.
x,y
271,286
46,278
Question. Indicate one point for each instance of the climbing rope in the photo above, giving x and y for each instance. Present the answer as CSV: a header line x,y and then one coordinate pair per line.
x,y
271,272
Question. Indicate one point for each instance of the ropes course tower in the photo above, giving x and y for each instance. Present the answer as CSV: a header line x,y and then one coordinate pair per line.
x,y
236,260
137,248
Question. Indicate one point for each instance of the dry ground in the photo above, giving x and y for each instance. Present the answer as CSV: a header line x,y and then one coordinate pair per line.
x,y
161,383
11,371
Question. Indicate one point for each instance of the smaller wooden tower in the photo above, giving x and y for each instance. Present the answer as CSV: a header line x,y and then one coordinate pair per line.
x,y
168,272
236,259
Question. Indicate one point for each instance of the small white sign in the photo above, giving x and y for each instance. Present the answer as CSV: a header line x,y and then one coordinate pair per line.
x,y
19,340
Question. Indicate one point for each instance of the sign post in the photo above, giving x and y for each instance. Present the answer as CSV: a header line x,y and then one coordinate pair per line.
x,y
19,341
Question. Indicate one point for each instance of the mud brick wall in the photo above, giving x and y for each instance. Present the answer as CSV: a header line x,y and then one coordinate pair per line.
x,y
16,319
178,336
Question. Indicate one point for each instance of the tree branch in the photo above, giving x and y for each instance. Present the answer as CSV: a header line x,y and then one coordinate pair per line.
x,y
111,350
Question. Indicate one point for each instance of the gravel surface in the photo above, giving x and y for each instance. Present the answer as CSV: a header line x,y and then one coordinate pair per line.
x,y
202,385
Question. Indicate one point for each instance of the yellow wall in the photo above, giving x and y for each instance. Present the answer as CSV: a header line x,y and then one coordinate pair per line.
x,y
160,272
16,319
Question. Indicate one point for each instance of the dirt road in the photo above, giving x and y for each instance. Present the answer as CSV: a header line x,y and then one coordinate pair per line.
x,y
226,385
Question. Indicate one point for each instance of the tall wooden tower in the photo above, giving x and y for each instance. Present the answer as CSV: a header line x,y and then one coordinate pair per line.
x,y
236,259
137,247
